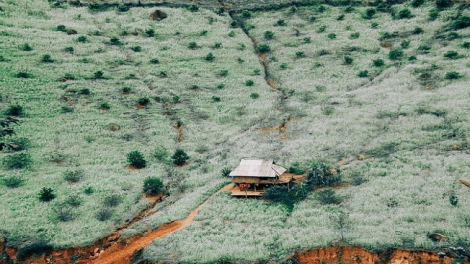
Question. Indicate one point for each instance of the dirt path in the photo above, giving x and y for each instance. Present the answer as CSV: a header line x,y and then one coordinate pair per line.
x,y
121,252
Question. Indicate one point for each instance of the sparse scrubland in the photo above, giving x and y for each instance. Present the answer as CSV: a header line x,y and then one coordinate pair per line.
x,y
110,102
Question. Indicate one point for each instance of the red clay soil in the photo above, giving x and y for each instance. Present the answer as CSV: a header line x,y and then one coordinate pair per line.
x,y
355,255
464,182
179,129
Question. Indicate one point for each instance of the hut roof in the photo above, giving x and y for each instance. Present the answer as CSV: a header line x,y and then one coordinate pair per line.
x,y
257,168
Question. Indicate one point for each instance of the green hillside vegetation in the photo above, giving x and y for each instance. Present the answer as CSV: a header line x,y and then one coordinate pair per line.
x,y
108,99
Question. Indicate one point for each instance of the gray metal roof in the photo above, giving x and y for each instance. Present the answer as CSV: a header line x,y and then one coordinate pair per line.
x,y
257,168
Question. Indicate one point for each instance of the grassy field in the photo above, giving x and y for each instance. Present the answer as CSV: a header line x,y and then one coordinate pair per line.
x,y
386,98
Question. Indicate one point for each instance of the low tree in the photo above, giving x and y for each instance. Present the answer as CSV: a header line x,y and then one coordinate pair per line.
x,y
153,186
136,159
180,157
46,194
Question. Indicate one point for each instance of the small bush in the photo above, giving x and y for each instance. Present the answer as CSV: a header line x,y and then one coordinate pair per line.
x,y
143,101
193,8
192,45
461,22
13,181
17,161
122,8
254,95
395,54
179,157
452,75
112,200
321,29
451,54
307,40
433,14
153,186
340,17
84,91
405,13
94,6
363,74
240,60
89,190
136,159
154,61
300,54
74,200
296,168
61,28
328,196
217,45
405,44
23,75
441,4
209,57
348,60
98,75
36,247
281,23
69,49
26,47
264,48
246,14
46,194
150,32
465,45
354,35
225,172
332,36
82,39
161,154
417,31
268,35
249,83
104,214
136,48
216,99
14,110
3,59
104,106
417,3
114,41
64,213
231,34
378,62
73,176
223,73
369,14
276,193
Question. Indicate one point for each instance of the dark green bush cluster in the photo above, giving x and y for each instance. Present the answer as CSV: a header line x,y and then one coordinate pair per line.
x,y
46,58
46,194
153,186
297,168
179,157
405,13
136,159
328,196
13,181
287,196
322,175
17,161
452,75
395,54
264,48
268,35
14,110
209,57
73,176
143,101
451,54
112,200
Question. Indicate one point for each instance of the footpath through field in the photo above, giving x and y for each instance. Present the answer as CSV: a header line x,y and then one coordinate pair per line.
x,y
120,253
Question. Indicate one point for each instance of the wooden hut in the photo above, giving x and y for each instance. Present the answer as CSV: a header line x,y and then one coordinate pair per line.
x,y
255,175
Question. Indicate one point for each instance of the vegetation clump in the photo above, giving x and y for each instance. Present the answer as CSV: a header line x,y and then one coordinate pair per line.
x,y
153,186
46,194
179,157
136,159
17,161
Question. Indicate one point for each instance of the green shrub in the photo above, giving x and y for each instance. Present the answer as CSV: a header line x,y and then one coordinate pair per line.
x,y
348,60
64,213
412,58
328,196
161,154
17,161
281,23
354,35
395,54
122,8
223,73
179,157
23,75
465,45
46,194
150,32
13,181
461,22
104,106
296,168
104,214
74,200
417,3
209,57
451,54
340,17
254,95
154,61
231,34
264,48
115,41
143,101
332,36
84,91
369,14
276,193
192,45
136,159
441,4
217,45
26,47
363,74
73,176
69,49
321,29
405,13
82,39
307,40
300,54
240,60
94,6
89,190
98,75
61,28
112,200
452,75
14,110
405,44
249,83
136,48
268,35
34,247
226,172
216,99
233,24
246,14
374,25
453,199
153,186
417,30
46,58
193,8
322,175
3,59
378,62
433,14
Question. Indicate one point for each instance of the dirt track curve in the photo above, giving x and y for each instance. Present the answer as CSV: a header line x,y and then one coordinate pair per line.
x,y
120,253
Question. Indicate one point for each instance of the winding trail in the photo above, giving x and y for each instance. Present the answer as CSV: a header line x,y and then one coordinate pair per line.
x,y
122,252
